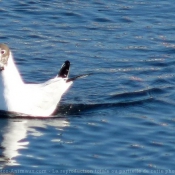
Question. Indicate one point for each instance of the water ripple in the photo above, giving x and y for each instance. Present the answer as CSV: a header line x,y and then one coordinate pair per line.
x,y
126,108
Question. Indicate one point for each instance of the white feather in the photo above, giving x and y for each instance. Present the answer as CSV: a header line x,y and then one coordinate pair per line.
x,y
30,99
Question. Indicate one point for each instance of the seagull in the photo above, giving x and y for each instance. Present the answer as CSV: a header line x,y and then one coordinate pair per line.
x,y
30,99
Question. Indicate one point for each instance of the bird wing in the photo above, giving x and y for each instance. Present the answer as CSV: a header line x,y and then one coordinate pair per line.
x,y
43,98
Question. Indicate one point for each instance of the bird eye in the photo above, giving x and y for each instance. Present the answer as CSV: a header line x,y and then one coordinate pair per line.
x,y
2,52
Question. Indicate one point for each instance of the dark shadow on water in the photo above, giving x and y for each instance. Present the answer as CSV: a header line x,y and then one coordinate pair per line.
x,y
117,101
78,109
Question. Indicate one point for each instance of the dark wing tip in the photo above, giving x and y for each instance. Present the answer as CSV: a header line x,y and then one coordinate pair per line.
x,y
64,71
79,76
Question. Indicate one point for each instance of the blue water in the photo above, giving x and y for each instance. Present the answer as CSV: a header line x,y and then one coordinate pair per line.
x,y
120,119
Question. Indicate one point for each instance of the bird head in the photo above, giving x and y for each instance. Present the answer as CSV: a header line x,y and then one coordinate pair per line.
x,y
4,55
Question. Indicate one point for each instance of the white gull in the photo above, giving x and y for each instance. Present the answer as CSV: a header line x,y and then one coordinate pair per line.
x,y
30,99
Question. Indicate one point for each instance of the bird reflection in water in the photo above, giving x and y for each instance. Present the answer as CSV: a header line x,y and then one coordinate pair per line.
x,y
14,133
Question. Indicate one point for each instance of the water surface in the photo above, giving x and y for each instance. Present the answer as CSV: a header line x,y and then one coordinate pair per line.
x,y
119,120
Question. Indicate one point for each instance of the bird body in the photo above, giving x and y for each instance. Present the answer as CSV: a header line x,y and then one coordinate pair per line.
x,y
30,99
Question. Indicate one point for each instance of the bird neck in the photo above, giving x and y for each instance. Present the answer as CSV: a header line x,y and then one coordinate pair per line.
x,y
10,75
